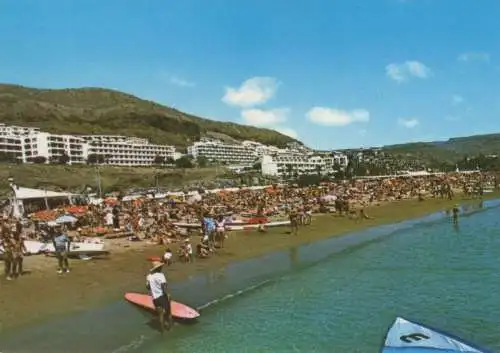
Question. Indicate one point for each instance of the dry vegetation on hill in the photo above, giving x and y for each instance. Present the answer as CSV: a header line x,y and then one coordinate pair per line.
x,y
75,178
103,111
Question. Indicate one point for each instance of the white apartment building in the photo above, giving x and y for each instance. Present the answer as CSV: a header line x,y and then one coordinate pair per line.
x,y
13,140
215,150
298,164
261,149
127,151
245,153
51,147
25,144
13,130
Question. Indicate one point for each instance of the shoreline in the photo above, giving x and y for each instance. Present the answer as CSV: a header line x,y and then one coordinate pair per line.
x,y
43,295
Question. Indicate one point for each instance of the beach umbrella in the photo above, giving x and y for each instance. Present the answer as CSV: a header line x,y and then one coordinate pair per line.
x,y
194,199
66,219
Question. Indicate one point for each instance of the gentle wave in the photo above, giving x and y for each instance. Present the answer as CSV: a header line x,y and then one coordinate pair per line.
x,y
141,340
235,294
133,345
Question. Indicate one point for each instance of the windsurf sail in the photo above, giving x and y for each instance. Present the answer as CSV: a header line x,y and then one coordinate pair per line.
x,y
408,337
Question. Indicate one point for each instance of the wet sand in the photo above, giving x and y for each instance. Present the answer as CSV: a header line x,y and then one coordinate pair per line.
x,y
42,294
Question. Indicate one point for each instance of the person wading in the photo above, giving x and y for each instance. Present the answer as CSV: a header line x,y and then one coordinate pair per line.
x,y
455,211
157,284
220,228
294,221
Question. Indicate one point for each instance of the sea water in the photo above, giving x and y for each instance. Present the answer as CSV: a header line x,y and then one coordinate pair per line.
x,y
433,273
338,295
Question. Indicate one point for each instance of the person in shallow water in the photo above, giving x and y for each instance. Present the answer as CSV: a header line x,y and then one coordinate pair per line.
x,y
157,284
455,211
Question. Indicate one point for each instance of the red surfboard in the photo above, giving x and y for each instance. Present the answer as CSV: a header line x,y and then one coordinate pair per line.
x,y
179,310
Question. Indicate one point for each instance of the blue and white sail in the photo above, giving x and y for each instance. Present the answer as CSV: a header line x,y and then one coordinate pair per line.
x,y
409,337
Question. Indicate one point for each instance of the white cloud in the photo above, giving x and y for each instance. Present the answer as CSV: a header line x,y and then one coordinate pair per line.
x,y
181,82
259,117
456,99
270,119
252,92
474,56
452,118
176,80
409,123
336,117
401,72
287,131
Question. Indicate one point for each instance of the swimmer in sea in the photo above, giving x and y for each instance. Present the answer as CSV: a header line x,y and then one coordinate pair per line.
x,y
455,211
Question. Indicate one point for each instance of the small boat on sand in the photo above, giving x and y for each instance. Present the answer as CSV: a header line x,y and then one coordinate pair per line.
x,y
257,226
79,249
187,225
239,222
409,337
33,247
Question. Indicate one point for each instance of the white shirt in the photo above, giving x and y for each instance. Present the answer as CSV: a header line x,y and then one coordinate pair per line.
x,y
109,219
189,249
167,255
155,281
221,226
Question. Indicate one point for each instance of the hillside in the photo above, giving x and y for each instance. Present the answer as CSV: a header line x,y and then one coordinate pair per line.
x,y
450,150
77,177
103,111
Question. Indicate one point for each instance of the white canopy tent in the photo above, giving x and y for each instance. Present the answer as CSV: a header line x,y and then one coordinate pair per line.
x,y
23,195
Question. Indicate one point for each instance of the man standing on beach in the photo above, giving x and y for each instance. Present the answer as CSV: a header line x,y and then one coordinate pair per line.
x,y
208,226
61,244
18,251
8,257
157,284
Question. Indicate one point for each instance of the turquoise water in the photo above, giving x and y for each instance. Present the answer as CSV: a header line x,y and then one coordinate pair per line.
x,y
431,273
338,295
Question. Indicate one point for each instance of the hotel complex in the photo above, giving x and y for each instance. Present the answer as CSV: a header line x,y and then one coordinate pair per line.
x,y
29,145
294,164
245,153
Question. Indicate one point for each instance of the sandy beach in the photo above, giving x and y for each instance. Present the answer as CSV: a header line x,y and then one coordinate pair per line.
x,y
43,294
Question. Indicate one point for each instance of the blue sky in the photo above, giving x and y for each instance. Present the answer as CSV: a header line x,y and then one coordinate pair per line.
x,y
335,74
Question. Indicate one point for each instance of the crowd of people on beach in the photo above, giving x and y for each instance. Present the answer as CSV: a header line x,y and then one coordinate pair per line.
x,y
172,222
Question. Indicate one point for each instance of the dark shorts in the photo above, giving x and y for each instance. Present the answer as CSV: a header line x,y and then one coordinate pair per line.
x,y
62,254
162,302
